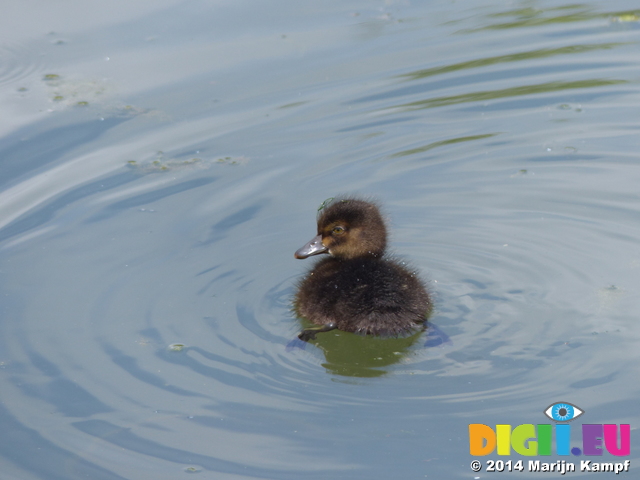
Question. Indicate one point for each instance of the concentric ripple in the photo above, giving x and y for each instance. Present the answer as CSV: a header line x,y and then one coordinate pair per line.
x,y
18,62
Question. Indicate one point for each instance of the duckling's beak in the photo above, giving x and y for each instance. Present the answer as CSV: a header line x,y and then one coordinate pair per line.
x,y
314,247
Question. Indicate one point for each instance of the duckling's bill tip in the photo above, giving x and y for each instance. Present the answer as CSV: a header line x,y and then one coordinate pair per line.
x,y
314,247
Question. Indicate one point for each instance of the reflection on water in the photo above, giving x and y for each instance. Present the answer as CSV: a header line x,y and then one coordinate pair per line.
x,y
534,17
146,234
441,143
505,93
489,61
354,355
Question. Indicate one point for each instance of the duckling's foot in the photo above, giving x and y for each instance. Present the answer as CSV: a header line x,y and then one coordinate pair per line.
x,y
307,335
310,333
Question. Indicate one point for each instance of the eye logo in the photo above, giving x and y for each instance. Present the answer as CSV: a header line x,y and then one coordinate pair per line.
x,y
563,412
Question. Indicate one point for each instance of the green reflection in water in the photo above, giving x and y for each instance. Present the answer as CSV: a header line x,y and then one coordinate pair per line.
x,y
516,57
506,92
533,17
352,355
441,143
292,105
529,12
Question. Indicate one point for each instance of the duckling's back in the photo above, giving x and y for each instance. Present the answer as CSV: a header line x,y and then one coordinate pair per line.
x,y
364,295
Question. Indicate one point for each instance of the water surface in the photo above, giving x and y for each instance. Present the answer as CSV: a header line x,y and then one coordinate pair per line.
x,y
161,162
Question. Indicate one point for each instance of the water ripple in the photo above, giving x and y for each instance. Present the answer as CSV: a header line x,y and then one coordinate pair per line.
x,y
18,61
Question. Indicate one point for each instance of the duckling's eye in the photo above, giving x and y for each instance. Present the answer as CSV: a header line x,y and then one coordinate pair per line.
x,y
338,230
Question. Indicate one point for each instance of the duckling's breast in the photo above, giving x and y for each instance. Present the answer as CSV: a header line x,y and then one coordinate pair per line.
x,y
365,295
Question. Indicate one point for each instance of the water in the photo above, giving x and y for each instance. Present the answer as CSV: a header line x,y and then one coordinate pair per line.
x,y
161,162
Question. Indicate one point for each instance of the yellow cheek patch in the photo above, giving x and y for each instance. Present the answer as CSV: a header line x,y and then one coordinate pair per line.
x,y
328,238
347,245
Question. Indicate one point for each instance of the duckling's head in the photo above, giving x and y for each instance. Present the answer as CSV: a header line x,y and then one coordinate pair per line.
x,y
348,228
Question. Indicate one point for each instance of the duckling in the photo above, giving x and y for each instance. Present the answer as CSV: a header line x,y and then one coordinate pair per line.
x,y
357,288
